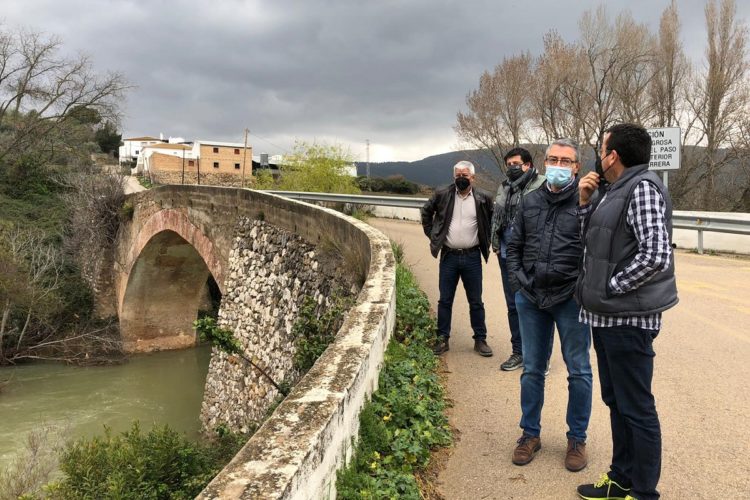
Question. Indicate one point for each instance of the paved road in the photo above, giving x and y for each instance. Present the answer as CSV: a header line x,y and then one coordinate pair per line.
x,y
701,385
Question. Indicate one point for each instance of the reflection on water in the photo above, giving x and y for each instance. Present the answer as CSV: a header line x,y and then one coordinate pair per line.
x,y
159,388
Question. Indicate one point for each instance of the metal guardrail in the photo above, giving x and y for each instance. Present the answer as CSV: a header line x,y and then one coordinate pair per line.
x,y
703,223
356,199
698,223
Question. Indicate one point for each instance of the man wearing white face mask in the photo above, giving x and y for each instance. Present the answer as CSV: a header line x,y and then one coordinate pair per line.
x,y
543,257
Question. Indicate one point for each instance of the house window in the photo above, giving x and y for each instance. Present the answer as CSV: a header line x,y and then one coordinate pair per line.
x,y
135,151
216,164
236,151
237,166
216,150
191,163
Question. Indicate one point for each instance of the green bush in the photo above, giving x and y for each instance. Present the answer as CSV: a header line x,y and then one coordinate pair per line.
x,y
405,418
161,464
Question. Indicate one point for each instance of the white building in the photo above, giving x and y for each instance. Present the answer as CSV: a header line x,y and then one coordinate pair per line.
x,y
184,152
131,148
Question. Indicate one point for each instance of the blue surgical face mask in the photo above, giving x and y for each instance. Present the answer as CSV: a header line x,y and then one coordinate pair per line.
x,y
558,176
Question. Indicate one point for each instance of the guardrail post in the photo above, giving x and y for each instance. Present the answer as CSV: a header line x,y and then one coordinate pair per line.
x,y
700,241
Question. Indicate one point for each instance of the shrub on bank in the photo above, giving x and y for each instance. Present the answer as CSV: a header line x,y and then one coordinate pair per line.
x,y
135,465
405,418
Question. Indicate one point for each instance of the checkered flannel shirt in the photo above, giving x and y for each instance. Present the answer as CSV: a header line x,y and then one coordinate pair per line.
x,y
646,218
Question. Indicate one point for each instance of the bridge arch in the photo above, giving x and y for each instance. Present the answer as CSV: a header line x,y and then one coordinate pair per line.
x,y
170,271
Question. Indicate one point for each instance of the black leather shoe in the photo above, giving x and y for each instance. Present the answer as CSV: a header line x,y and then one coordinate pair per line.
x,y
441,345
482,348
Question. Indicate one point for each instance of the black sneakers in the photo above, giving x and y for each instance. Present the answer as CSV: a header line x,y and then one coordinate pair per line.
x,y
514,362
603,489
441,345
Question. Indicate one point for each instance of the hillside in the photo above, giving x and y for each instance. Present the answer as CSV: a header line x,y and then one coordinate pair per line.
x,y
436,170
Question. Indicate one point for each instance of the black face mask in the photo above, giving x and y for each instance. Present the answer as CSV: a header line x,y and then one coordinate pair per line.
x,y
462,183
515,173
603,183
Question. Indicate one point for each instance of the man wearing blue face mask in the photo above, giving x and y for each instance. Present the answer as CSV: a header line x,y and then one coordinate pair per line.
x,y
456,219
543,257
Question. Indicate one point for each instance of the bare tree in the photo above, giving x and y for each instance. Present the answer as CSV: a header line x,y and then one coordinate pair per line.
x,y
671,70
719,103
31,276
554,72
498,109
39,88
614,65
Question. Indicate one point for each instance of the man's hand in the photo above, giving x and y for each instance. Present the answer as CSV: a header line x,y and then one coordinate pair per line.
x,y
586,187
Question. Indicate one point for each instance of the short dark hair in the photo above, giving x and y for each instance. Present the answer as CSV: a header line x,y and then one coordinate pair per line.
x,y
523,153
632,143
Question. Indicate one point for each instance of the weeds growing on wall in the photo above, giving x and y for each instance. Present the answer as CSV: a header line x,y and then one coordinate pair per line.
x,y
406,417
313,332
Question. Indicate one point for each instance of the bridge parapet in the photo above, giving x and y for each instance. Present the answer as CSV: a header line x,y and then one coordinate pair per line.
x,y
296,452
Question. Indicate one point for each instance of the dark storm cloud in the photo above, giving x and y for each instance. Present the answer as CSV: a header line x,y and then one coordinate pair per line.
x,y
395,72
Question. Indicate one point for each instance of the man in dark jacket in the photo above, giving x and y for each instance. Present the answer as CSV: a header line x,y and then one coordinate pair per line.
x,y
626,283
522,179
457,220
543,256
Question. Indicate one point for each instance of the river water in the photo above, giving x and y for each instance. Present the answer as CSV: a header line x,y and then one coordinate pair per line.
x,y
157,388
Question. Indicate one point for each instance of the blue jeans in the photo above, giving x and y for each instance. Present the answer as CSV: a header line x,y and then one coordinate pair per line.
x,y
625,357
575,341
510,303
467,267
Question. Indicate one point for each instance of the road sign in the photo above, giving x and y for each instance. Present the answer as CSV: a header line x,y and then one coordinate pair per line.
x,y
665,148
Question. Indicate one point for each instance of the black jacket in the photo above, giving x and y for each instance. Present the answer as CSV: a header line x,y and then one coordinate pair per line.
x,y
545,247
438,212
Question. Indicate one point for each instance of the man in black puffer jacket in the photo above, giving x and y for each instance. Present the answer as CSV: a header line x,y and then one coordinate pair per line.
x,y
543,257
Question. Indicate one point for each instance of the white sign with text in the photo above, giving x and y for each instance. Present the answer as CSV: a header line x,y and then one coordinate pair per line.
x,y
665,148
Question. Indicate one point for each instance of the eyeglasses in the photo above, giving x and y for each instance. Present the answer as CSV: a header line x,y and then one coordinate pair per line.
x,y
563,162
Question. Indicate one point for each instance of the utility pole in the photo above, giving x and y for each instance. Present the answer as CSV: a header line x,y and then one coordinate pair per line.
x,y
368,160
244,158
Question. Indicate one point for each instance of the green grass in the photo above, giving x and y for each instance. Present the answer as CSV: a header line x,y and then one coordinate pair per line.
x,y
405,419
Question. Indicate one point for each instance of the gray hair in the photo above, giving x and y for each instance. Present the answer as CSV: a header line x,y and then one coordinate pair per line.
x,y
464,164
566,142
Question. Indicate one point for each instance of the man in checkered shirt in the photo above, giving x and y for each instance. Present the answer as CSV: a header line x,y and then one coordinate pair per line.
x,y
627,281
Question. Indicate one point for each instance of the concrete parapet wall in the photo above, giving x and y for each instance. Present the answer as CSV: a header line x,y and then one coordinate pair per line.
x,y
296,453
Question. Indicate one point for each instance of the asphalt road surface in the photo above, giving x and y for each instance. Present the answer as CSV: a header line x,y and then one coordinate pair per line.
x,y
701,384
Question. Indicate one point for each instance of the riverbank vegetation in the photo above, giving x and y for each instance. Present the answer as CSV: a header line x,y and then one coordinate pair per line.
x,y
56,206
405,419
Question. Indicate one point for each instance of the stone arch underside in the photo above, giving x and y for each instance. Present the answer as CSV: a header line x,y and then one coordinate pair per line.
x,y
170,267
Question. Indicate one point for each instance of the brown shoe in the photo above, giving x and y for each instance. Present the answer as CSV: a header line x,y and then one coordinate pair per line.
x,y
575,458
482,348
526,449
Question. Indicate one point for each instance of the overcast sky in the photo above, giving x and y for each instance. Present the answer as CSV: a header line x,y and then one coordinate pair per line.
x,y
393,72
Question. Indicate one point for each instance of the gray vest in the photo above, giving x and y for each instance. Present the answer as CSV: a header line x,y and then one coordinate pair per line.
x,y
611,245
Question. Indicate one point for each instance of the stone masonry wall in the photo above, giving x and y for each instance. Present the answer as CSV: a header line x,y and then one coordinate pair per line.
x,y
270,272
209,178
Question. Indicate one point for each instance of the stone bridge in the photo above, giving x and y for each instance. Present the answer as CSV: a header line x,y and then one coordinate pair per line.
x,y
256,257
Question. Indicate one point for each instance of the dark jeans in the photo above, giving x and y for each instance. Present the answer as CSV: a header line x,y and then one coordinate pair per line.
x,y
467,267
575,341
626,367
510,302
